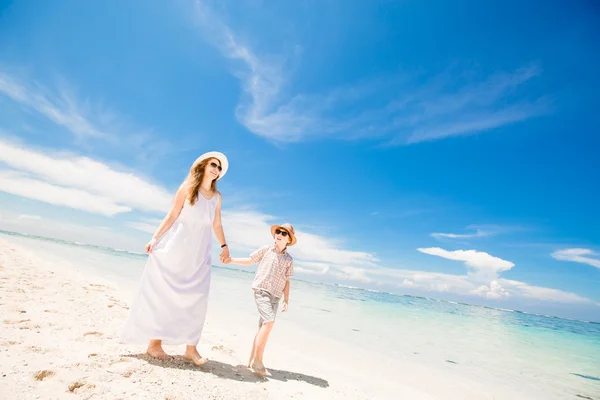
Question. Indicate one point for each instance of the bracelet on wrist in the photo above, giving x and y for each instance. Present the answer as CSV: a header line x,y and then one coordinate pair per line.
x,y
224,245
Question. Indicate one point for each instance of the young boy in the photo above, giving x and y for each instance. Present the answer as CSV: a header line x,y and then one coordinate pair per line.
x,y
272,280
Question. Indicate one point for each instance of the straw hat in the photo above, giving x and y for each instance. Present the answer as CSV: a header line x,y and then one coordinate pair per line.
x,y
289,228
213,154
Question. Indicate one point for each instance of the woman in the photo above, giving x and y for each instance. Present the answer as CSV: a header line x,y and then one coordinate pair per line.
x,y
171,303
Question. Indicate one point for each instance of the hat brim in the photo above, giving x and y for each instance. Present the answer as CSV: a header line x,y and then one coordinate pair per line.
x,y
219,156
292,236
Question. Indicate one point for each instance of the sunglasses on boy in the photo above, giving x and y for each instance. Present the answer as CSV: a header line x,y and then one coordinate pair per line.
x,y
217,166
282,232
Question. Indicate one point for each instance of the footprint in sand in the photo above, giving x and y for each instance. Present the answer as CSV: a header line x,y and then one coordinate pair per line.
x,y
120,360
223,349
76,387
43,374
9,343
116,302
94,333
15,321
29,326
128,373
96,288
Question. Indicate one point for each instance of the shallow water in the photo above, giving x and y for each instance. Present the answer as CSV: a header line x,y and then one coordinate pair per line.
x,y
556,357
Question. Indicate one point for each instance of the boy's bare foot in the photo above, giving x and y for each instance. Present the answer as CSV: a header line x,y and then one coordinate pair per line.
x,y
157,352
259,368
195,357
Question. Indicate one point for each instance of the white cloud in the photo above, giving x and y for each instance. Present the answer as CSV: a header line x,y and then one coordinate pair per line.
x,y
29,217
578,255
77,182
327,259
541,293
433,108
145,225
492,291
20,185
71,231
62,109
247,230
424,282
481,265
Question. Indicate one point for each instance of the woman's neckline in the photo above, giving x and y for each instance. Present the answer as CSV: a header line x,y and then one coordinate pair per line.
x,y
212,197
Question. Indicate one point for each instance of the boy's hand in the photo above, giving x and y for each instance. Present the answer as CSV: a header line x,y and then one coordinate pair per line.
x,y
284,306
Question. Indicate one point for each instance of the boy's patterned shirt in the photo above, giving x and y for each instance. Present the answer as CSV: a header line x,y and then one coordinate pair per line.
x,y
273,269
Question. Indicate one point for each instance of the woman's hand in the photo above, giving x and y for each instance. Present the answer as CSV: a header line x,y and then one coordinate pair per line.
x,y
284,306
224,256
150,245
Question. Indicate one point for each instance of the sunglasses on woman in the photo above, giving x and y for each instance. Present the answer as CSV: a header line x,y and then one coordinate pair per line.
x,y
217,166
279,231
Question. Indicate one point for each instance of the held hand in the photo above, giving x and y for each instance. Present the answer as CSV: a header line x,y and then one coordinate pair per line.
x,y
150,246
284,306
224,256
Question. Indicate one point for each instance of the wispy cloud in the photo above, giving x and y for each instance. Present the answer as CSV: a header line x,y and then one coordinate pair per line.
x,y
583,256
77,182
477,234
89,122
479,231
410,109
62,108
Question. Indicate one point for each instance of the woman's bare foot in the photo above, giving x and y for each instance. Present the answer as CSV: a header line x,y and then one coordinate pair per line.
x,y
157,352
259,368
195,357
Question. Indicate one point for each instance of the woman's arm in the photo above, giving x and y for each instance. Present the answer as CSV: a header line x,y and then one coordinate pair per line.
x,y
171,217
218,229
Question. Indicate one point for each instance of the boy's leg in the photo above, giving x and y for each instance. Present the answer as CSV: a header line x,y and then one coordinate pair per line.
x,y
253,349
267,308
260,343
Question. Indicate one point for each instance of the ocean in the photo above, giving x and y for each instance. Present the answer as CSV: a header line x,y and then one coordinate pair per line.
x,y
553,357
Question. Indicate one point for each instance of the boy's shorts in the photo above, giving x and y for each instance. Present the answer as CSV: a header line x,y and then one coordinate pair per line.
x,y
267,305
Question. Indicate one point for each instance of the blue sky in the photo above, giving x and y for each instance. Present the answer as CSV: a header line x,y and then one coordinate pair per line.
x,y
418,147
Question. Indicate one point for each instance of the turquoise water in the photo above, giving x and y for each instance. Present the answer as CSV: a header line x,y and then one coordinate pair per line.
x,y
555,357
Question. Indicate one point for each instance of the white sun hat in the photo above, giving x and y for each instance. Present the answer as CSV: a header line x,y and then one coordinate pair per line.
x,y
213,154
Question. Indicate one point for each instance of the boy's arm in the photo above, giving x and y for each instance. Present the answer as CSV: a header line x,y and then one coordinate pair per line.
x,y
286,295
286,289
254,258
242,261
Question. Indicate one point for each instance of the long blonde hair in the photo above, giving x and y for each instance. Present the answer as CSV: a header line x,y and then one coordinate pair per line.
x,y
195,178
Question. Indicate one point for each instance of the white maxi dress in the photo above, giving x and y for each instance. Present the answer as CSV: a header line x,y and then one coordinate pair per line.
x,y
171,301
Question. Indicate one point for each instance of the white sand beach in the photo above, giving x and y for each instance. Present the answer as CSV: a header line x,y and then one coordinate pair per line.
x,y
59,339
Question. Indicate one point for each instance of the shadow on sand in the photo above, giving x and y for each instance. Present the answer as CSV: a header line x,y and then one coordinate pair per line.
x,y
228,371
